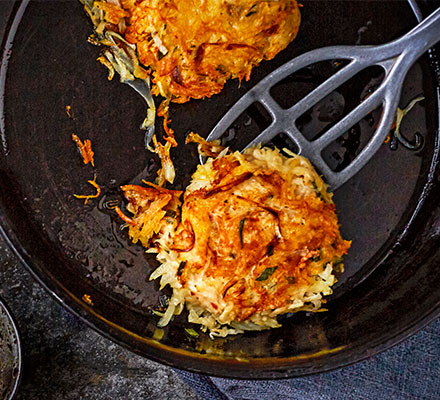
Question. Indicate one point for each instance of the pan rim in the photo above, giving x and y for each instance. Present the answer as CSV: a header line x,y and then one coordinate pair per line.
x,y
78,309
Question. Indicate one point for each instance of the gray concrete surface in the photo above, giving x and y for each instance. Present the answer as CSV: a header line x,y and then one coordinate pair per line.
x,y
64,359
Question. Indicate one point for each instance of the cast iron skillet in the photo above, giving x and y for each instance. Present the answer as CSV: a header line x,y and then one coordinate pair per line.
x,y
390,210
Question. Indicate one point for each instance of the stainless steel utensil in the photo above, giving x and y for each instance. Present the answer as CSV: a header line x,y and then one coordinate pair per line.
x,y
395,58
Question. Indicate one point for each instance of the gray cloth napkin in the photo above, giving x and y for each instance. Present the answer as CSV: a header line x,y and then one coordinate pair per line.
x,y
409,370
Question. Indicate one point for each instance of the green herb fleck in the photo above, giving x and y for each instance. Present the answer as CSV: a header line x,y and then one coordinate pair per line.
x,y
191,332
316,258
171,213
240,231
252,11
270,250
291,279
336,261
181,267
266,273
318,193
337,264
232,255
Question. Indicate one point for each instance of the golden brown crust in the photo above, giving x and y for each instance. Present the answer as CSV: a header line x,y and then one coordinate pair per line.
x,y
195,46
257,236
242,231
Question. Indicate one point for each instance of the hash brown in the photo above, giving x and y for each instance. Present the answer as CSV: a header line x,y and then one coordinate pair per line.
x,y
192,47
257,236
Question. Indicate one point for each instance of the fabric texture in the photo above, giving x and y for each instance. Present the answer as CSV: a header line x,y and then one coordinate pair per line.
x,y
407,371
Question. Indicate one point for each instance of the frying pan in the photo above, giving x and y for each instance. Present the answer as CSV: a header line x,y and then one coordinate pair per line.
x,y
390,209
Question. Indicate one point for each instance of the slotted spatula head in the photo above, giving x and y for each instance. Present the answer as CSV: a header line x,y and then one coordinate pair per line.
x,y
395,58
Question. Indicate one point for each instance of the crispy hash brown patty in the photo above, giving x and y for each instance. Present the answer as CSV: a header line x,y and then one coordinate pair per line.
x,y
256,237
194,46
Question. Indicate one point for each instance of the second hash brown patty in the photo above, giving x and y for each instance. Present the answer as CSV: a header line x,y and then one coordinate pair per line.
x,y
194,46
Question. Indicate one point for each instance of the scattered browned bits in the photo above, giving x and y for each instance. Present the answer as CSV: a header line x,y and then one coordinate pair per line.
x,y
90,196
68,109
86,299
163,111
170,132
85,149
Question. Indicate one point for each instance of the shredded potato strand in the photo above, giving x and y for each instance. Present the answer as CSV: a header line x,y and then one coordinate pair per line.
x,y
126,219
169,132
208,149
87,197
154,202
163,111
85,149
162,189
167,173
68,109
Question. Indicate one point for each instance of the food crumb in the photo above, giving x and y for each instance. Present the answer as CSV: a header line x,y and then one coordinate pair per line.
x,y
90,196
86,298
68,109
85,149
158,334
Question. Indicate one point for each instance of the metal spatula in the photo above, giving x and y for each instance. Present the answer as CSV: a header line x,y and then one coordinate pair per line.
x,y
395,58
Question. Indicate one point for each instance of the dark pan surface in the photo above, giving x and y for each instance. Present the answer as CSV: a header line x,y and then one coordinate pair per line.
x,y
390,209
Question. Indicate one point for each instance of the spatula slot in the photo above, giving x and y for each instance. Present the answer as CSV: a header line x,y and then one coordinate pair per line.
x,y
296,86
332,108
